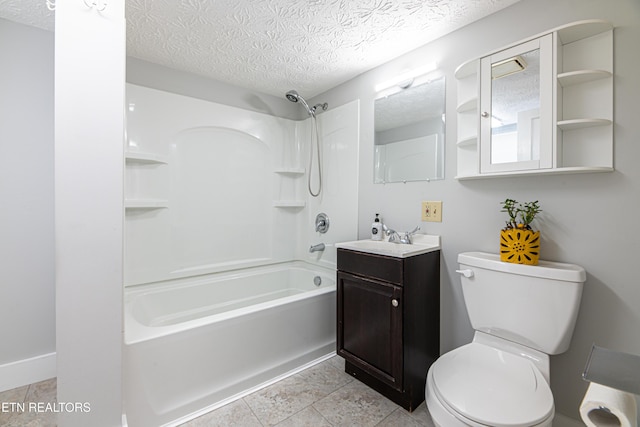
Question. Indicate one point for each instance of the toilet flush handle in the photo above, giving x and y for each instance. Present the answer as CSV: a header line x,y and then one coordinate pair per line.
x,y
466,272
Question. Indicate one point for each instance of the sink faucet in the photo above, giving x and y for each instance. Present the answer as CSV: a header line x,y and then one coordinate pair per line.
x,y
317,248
395,237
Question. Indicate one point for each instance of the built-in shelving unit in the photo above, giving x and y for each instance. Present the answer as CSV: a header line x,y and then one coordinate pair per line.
x,y
582,87
289,179
468,123
143,168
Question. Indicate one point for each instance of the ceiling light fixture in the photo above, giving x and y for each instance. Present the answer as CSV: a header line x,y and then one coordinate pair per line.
x,y
507,67
406,79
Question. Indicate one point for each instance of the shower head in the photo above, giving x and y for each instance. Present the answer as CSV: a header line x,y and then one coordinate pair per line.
x,y
294,96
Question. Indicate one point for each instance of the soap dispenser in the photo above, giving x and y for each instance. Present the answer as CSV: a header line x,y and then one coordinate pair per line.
x,y
376,229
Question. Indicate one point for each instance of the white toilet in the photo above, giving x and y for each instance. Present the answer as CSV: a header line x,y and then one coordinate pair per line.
x,y
521,315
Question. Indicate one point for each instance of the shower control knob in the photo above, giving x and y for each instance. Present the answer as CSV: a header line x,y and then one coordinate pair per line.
x,y
322,223
394,302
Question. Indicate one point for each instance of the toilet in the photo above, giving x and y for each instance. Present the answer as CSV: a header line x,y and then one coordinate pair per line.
x,y
521,315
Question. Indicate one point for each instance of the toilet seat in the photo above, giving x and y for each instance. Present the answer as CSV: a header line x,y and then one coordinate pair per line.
x,y
492,387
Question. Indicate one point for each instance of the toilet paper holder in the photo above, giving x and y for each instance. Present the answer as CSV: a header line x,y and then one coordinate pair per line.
x,y
613,369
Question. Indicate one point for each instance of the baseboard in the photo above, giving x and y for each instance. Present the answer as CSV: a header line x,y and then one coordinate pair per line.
x,y
560,420
27,371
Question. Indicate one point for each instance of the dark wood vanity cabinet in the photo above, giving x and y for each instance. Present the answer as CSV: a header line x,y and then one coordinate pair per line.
x,y
389,321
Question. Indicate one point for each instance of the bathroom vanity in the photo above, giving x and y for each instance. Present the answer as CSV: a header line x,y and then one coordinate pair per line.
x,y
388,315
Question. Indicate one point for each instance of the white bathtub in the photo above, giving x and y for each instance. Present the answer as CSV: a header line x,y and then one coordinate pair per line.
x,y
194,344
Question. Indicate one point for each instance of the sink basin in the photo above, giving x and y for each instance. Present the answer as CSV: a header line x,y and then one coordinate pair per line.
x,y
422,243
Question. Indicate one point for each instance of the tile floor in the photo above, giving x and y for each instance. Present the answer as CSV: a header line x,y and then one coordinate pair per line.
x,y
320,396
41,393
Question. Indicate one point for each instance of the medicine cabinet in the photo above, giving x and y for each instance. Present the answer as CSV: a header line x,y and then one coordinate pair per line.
x,y
543,105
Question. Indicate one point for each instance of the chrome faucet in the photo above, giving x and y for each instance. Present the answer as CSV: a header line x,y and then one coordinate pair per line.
x,y
317,248
395,237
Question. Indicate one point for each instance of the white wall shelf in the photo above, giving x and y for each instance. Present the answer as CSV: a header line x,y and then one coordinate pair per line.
x,y
468,106
575,31
467,69
582,123
290,171
470,141
139,157
146,203
537,172
289,203
581,76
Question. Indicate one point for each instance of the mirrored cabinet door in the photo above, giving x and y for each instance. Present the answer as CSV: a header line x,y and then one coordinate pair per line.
x,y
516,99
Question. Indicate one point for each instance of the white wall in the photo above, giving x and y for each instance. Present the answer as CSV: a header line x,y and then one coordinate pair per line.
x,y
143,73
89,134
588,219
27,309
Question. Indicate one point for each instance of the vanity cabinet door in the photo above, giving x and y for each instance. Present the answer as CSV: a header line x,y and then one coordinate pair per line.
x,y
370,326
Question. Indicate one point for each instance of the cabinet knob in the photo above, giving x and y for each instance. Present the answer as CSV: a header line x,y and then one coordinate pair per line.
x,y
485,114
394,302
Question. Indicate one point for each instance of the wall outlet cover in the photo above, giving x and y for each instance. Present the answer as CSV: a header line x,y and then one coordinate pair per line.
x,y
432,211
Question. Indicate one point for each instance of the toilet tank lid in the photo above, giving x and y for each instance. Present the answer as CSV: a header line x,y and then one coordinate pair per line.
x,y
544,269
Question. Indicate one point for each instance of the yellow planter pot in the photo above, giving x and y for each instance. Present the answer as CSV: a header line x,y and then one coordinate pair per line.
x,y
520,246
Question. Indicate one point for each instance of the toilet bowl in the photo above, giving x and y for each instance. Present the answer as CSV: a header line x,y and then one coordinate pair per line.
x,y
480,384
521,315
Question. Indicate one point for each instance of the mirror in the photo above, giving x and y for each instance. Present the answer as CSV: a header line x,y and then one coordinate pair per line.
x,y
409,134
515,104
515,98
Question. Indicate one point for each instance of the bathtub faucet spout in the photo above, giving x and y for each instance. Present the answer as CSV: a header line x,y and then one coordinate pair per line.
x,y
317,248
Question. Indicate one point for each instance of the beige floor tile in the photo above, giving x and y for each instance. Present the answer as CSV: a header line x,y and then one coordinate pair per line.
x,y
400,418
326,377
234,414
355,404
337,362
283,399
308,417
44,391
14,395
421,413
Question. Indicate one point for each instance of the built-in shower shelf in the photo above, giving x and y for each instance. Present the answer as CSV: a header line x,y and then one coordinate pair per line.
x,y
289,203
139,157
146,203
290,171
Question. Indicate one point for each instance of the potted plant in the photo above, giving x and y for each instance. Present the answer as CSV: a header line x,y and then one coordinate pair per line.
x,y
519,243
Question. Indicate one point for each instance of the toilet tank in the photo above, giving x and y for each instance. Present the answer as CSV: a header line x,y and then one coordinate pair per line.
x,y
535,306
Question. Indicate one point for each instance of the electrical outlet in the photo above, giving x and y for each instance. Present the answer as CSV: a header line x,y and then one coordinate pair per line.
x,y
432,211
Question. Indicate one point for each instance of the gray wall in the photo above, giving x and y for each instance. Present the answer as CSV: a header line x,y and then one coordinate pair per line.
x,y
26,190
155,76
588,219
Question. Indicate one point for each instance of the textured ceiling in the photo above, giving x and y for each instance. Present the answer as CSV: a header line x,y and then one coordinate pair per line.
x,y
274,45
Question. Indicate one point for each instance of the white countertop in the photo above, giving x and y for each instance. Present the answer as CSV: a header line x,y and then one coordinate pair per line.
x,y
422,243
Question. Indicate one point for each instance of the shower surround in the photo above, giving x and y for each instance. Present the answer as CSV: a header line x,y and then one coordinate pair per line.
x,y
216,191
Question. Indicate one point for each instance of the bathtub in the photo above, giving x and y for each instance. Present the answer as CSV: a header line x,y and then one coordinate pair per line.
x,y
194,344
